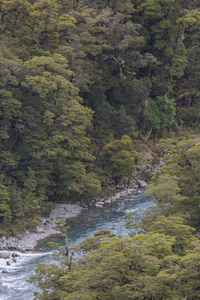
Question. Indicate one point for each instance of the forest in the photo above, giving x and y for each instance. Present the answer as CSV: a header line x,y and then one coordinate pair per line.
x,y
160,260
84,85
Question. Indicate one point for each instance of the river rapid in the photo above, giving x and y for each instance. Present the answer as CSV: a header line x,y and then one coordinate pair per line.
x,y
13,277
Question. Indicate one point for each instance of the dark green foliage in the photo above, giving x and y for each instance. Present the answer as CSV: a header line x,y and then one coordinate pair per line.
x,y
78,76
142,267
118,158
83,79
5,211
175,187
161,112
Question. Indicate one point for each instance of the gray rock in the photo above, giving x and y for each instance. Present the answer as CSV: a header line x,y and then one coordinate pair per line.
x,y
107,201
20,248
4,271
65,211
98,205
3,239
142,183
129,191
39,229
43,221
8,263
113,200
85,206
15,255
123,193
4,255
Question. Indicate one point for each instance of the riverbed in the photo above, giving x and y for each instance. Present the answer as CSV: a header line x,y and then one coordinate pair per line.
x,y
13,284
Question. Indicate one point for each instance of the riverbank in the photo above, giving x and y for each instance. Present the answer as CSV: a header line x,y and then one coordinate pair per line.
x,y
29,240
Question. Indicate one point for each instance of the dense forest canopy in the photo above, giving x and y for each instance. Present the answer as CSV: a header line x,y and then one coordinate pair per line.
x,y
80,82
82,85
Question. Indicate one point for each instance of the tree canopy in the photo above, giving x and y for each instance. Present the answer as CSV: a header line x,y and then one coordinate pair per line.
x,y
76,78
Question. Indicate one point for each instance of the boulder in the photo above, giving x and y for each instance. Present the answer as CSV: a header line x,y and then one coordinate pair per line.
x,y
4,271
3,239
39,229
15,255
98,205
107,201
65,211
113,199
20,249
142,183
43,221
4,255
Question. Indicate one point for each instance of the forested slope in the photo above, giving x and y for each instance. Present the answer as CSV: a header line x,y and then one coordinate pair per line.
x,y
160,261
80,81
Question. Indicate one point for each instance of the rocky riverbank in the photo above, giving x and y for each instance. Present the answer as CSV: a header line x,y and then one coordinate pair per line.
x,y
28,241
13,247
131,190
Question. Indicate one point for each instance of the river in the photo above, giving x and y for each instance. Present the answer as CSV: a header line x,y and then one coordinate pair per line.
x,y
13,284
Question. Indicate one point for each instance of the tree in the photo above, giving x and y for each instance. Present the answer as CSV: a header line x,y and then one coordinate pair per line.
x,y
118,158
161,112
9,105
165,191
30,200
165,36
5,211
64,121
171,185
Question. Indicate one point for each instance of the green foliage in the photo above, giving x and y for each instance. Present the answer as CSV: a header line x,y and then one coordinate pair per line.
x,y
161,112
30,200
161,19
5,212
75,77
182,162
16,201
79,184
118,158
140,267
166,193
